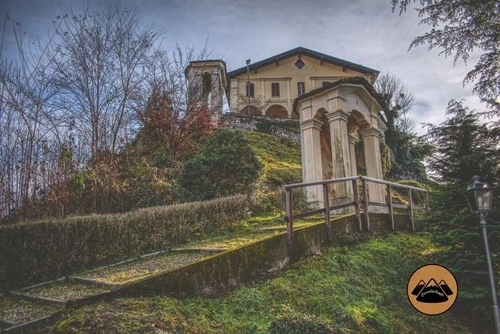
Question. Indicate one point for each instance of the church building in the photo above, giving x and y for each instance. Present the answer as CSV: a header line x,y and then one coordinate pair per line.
x,y
333,100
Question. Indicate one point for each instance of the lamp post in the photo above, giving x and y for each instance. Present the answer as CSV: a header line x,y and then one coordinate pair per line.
x,y
248,87
479,196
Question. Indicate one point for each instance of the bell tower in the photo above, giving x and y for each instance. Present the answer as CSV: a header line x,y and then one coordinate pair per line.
x,y
207,85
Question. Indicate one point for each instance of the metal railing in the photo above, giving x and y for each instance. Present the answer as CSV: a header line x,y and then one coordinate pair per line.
x,y
358,203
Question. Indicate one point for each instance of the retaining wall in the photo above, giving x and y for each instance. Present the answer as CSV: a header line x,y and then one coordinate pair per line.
x,y
228,270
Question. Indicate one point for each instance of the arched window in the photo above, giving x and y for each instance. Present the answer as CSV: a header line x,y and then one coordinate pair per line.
x,y
206,89
277,111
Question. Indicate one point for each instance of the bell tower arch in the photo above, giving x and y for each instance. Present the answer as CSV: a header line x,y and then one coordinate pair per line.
x,y
207,85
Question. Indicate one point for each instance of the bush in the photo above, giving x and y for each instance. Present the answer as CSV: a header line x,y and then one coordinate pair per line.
x,y
226,165
48,249
299,324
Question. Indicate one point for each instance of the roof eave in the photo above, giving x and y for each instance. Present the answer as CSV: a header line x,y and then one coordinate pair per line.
x,y
354,81
306,52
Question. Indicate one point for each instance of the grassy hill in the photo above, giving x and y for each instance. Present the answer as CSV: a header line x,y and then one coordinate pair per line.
x,y
281,158
359,288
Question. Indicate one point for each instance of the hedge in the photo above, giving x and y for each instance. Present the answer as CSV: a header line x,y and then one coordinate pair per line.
x,y
48,249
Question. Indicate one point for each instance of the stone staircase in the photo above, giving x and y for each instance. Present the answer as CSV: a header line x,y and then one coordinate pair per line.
x,y
209,267
24,310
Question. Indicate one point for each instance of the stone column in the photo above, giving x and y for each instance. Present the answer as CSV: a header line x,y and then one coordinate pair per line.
x,y
311,159
353,140
371,142
340,151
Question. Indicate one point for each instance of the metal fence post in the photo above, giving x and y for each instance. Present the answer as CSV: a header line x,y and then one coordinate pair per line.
x,y
289,218
366,205
357,209
389,204
410,199
326,200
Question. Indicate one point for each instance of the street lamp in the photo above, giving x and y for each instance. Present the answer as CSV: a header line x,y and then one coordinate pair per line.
x,y
479,196
248,87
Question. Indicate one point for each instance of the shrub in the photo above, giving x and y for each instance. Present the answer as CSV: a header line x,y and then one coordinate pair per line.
x,y
49,249
226,165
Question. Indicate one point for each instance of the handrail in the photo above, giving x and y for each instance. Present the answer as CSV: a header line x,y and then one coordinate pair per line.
x,y
317,183
289,216
394,184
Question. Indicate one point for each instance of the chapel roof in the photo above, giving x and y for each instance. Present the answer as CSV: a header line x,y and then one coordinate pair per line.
x,y
352,81
306,52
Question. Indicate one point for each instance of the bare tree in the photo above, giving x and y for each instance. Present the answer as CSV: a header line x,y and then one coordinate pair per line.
x,y
399,100
28,119
69,106
102,66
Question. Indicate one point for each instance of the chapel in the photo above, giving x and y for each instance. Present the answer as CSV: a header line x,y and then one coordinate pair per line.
x,y
332,99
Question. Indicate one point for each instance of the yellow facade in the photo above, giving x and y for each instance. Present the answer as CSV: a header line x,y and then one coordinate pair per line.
x,y
291,80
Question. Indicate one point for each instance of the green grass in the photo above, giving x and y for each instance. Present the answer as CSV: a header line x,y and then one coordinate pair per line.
x,y
281,159
353,289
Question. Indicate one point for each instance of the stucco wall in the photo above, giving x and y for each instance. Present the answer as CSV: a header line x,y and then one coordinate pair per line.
x,y
284,72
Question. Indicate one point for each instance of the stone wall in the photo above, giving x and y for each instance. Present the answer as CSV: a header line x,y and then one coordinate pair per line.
x,y
279,127
226,271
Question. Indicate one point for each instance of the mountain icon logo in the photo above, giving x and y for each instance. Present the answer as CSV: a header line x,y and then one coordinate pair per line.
x,y
427,295
432,292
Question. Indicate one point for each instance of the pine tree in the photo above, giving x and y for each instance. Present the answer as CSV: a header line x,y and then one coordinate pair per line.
x,y
464,147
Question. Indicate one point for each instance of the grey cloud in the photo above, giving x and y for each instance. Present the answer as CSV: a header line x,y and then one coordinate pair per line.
x,y
364,32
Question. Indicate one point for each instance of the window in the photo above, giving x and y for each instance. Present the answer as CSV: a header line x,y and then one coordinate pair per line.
x,y
275,89
250,89
301,88
325,83
299,63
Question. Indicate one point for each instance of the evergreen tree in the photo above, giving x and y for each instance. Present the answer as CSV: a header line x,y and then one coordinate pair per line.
x,y
464,147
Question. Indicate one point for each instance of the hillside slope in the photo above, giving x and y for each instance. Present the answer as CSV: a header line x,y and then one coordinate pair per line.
x,y
353,289
281,158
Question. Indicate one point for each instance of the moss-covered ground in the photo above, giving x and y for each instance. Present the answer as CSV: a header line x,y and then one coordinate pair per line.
x,y
359,288
138,269
16,311
64,291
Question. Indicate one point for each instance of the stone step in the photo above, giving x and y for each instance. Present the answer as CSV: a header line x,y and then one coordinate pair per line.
x,y
18,314
199,249
63,293
271,229
126,273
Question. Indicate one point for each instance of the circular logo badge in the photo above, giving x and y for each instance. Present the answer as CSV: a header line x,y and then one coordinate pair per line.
x,y
432,289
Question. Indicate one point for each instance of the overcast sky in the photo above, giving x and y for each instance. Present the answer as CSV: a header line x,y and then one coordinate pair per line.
x,y
361,31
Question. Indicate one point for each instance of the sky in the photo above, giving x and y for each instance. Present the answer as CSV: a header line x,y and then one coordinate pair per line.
x,y
365,32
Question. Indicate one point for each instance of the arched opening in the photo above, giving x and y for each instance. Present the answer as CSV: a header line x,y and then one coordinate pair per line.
x,y
206,89
250,111
326,149
355,123
325,145
277,111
